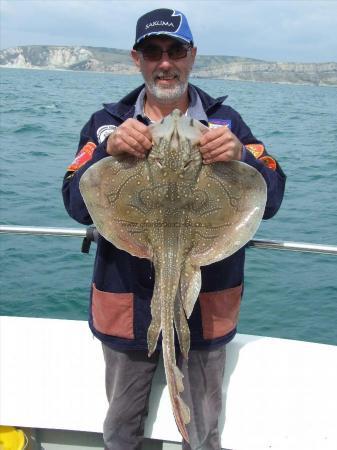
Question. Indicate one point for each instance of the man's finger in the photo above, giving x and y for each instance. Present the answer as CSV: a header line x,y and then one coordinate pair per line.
x,y
220,141
134,142
134,139
213,134
139,138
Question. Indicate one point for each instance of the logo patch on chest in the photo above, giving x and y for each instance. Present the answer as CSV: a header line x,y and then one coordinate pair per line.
x,y
104,131
216,123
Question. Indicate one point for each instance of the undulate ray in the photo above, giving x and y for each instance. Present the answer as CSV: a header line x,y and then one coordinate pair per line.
x,y
179,213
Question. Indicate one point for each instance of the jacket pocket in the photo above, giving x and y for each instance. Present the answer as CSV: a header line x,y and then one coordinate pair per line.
x,y
113,313
219,311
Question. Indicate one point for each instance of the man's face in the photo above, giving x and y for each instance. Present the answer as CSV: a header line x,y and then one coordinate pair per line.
x,y
166,78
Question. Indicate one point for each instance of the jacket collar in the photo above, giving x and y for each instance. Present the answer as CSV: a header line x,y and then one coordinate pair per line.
x,y
125,108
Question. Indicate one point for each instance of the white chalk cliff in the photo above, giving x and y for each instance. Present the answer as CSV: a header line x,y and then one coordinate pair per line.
x,y
119,62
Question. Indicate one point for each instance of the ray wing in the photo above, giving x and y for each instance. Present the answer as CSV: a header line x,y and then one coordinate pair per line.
x,y
108,188
235,200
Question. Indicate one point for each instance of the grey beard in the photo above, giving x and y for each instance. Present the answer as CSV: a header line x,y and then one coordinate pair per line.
x,y
167,95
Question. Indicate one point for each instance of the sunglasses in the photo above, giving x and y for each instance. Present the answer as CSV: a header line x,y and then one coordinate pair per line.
x,y
154,52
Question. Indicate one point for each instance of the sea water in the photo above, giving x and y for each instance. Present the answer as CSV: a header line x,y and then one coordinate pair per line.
x,y
288,295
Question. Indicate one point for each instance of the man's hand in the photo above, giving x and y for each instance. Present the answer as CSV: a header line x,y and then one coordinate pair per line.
x,y
132,137
220,144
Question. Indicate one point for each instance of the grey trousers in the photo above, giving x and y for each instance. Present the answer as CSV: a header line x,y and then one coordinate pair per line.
x,y
128,385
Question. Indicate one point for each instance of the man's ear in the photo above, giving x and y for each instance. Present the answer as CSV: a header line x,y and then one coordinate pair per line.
x,y
194,52
192,57
135,56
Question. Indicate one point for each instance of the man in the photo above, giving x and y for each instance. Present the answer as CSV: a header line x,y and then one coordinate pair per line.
x,y
122,284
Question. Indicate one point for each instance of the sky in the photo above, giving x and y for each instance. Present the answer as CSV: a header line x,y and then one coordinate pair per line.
x,y
273,30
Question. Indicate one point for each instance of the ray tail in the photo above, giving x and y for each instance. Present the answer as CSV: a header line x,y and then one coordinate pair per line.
x,y
167,280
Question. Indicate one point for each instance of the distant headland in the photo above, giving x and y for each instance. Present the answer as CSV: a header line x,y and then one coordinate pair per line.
x,y
100,59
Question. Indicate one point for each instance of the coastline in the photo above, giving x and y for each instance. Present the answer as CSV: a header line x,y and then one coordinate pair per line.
x,y
193,77
218,67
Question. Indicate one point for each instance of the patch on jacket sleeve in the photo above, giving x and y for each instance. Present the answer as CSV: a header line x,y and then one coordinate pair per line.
x,y
259,151
216,123
269,162
256,149
83,156
104,131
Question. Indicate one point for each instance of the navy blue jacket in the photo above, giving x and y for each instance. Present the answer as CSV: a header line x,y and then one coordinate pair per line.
x,y
122,284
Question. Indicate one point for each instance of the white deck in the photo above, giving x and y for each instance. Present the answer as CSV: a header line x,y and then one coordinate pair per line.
x,y
281,394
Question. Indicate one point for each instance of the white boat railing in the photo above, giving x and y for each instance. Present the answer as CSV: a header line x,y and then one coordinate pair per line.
x,y
90,232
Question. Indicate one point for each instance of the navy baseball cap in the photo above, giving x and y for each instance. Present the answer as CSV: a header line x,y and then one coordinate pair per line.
x,y
168,22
